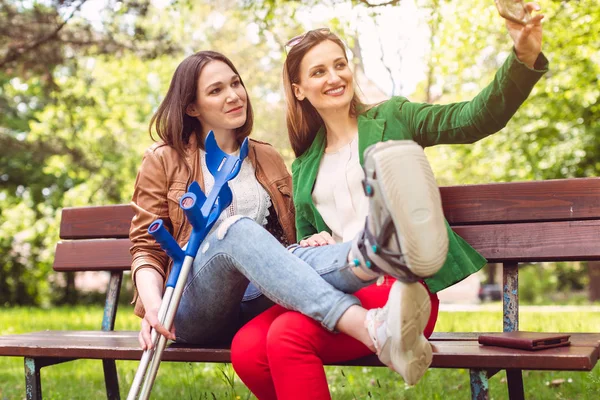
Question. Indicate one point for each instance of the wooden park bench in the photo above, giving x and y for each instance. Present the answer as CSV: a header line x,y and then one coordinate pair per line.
x,y
509,223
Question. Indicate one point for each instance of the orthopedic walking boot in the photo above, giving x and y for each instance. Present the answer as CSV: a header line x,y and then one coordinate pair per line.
x,y
405,232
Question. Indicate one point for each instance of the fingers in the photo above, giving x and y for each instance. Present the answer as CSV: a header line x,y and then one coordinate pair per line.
x,y
145,335
535,19
325,238
532,6
318,239
164,331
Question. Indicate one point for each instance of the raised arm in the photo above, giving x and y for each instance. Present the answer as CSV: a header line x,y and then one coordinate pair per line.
x,y
492,108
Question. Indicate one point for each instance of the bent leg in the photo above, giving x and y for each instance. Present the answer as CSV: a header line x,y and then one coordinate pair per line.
x,y
249,354
297,348
241,246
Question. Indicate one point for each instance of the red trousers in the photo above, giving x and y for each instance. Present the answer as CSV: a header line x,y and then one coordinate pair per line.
x,y
280,353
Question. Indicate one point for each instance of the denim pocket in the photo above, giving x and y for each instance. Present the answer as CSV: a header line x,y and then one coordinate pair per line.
x,y
252,292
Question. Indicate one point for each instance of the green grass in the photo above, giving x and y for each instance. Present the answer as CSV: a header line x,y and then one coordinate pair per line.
x,y
83,379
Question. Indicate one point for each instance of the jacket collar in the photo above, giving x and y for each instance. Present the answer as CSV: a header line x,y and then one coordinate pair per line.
x,y
370,131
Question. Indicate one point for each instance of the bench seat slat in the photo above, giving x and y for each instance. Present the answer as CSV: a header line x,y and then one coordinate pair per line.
x,y
462,353
529,242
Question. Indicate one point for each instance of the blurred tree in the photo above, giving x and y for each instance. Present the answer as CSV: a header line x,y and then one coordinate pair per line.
x,y
41,43
78,85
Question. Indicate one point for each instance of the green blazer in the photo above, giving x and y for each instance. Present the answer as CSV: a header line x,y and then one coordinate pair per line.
x,y
428,125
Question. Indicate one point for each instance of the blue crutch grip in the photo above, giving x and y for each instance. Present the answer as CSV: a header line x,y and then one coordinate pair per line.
x,y
190,206
170,246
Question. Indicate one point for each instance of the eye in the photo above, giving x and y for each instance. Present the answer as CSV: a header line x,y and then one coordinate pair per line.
x,y
341,65
318,72
236,84
215,91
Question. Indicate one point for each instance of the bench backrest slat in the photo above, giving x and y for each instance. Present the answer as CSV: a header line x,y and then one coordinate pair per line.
x,y
93,255
550,200
529,242
96,222
554,220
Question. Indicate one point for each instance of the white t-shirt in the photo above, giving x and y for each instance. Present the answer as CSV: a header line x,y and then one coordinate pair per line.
x,y
338,194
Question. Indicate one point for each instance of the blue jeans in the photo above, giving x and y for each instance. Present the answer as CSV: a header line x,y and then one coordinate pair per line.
x,y
315,281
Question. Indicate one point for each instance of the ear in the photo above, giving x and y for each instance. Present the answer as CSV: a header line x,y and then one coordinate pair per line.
x,y
298,92
191,110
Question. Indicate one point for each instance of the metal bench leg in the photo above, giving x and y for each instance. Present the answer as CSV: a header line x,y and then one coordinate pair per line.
x,y
479,384
515,384
111,380
33,383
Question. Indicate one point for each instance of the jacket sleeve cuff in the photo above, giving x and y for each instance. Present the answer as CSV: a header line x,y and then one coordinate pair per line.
x,y
523,76
140,263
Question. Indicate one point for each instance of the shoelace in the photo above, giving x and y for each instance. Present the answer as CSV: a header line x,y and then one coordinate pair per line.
x,y
395,259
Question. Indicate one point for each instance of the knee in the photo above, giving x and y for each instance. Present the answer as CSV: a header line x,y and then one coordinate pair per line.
x,y
290,335
228,223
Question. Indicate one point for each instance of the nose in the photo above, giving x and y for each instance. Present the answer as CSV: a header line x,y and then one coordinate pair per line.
x,y
232,96
333,77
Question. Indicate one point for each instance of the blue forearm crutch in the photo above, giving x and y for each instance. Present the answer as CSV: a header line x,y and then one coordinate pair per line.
x,y
201,212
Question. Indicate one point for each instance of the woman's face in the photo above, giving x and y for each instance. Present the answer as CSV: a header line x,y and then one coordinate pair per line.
x,y
221,100
325,77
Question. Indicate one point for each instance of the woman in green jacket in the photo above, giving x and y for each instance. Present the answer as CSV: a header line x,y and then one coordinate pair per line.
x,y
344,149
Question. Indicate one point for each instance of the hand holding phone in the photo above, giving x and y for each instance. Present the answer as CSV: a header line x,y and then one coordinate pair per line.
x,y
513,10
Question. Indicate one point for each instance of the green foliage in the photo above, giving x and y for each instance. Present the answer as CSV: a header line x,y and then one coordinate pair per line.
x,y
556,132
76,98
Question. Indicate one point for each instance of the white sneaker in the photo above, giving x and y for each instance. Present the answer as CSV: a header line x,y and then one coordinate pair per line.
x,y
397,331
405,233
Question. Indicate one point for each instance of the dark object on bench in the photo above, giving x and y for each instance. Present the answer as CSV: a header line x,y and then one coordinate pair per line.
x,y
509,223
525,340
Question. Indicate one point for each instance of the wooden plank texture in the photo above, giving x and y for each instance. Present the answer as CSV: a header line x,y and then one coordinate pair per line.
x,y
447,353
551,200
548,241
93,255
96,222
532,242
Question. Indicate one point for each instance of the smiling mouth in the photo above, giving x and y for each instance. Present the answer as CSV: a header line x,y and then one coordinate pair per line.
x,y
234,110
336,91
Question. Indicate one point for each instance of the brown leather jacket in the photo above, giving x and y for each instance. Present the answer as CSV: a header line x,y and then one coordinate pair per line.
x,y
164,177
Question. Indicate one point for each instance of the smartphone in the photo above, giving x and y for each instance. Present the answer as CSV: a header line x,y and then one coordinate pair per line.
x,y
513,10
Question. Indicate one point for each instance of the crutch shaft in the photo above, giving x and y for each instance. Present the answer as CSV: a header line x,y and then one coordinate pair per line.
x,y
168,323
149,353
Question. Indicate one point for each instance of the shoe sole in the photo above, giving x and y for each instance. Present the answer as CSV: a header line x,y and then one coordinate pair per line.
x,y
410,193
410,351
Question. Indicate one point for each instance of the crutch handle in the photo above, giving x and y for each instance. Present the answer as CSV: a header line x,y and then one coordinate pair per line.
x,y
166,241
170,246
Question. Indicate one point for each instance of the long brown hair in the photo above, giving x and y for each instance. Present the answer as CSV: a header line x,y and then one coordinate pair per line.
x,y
303,120
171,122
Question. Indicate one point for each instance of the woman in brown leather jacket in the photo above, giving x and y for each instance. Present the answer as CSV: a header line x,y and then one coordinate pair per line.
x,y
206,93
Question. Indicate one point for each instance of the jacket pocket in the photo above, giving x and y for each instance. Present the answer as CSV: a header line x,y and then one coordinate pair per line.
x,y
175,212
284,186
